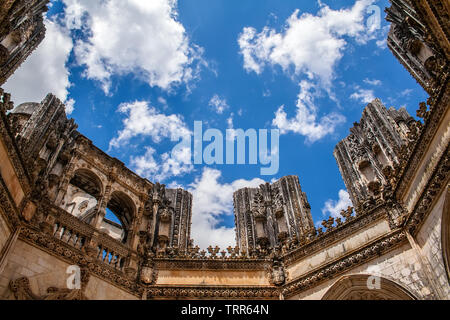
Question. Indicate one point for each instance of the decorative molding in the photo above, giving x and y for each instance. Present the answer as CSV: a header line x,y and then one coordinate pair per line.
x,y
343,264
351,226
199,292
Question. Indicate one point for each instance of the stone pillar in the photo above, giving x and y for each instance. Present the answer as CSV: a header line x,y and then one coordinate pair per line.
x,y
133,232
101,208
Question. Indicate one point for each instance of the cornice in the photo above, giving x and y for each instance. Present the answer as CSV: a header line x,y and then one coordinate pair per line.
x,y
439,106
208,264
336,234
342,265
434,188
212,292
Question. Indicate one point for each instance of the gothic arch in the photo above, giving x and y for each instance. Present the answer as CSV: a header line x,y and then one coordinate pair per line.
x,y
87,181
354,287
123,207
445,232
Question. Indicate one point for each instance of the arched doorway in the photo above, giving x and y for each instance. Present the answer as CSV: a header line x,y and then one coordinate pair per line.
x,y
355,287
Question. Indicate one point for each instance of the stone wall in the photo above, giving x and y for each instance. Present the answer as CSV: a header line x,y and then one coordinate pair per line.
x,y
428,163
9,175
429,241
98,289
337,249
400,265
213,277
42,269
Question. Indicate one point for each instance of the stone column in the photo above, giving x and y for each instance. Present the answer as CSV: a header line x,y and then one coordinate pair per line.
x,y
101,207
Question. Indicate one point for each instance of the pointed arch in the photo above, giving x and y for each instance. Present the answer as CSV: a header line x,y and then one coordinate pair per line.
x,y
87,181
355,287
83,193
124,209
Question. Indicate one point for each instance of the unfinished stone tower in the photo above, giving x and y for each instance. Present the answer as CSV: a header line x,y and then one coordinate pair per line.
x,y
267,216
368,156
21,31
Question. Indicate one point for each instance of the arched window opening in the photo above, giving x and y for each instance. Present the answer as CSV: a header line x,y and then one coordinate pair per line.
x,y
118,217
366,170
83,192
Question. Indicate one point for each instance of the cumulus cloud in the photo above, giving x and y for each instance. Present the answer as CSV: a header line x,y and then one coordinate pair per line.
x,y
145,120
309,44
334,207
306,121
363,95
219,104
213,201
372,82
167,165
45,69
140,37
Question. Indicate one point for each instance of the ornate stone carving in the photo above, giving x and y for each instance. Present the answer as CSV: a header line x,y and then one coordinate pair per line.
x,y
22,291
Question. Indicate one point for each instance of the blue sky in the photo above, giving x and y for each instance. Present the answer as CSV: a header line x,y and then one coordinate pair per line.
x,y
135,74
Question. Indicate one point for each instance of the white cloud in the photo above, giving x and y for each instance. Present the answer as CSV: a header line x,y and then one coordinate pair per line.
x,y
406,92
70,105
219,104
140,37
144,120
213,201
145,165
363,95
230,121
334,208
372,82
306,120
309,44
170,164
175,185
45,70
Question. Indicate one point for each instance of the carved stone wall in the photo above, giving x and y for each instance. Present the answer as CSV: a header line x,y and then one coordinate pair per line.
x,y
400,266
271,215
370,155
411,42
42,270
21,31
70,172
430,246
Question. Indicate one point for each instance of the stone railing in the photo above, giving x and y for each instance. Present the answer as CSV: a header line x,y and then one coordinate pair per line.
x,y
82,236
